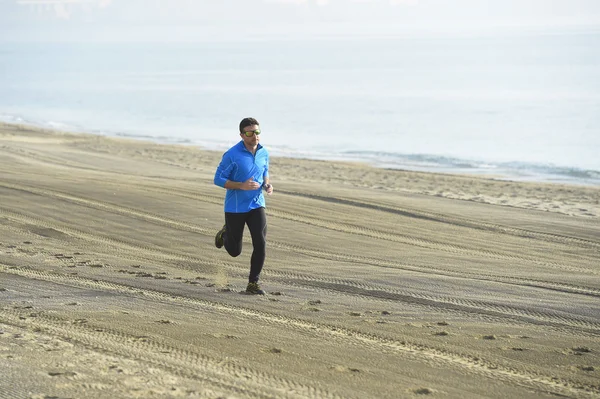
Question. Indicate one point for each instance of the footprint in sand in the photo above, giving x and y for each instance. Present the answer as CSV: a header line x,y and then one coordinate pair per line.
x,y
227,336
312,307
62,373
423,391
115,368
580,350
586,368
344,369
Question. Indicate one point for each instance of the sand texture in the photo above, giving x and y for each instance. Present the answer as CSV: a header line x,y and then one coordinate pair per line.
x,y
382,283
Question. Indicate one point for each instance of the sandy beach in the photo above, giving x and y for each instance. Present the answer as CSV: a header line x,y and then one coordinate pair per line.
x,y
381,283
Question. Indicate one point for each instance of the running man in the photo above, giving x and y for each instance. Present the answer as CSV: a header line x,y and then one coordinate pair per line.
x,y
244,172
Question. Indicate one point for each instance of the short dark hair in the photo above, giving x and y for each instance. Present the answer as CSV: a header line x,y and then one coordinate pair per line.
x,y
247,122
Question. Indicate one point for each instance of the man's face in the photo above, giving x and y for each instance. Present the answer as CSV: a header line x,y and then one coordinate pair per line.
x,y
254,138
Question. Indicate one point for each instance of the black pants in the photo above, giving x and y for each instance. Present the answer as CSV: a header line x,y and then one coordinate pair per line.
x,y
256,220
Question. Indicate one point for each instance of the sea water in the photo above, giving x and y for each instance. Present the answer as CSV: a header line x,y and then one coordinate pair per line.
x,y
517,106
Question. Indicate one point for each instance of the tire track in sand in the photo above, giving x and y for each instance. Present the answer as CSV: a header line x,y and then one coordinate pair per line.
x,y
342,227
218,373
147,349
470,306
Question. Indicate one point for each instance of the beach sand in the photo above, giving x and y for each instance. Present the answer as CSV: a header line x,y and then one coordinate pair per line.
x,y
382,283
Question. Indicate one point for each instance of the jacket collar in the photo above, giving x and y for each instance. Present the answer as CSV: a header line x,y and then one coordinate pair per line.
x,y
243,146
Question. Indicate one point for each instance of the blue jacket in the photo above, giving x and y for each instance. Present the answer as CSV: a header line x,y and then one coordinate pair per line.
x,y
238,164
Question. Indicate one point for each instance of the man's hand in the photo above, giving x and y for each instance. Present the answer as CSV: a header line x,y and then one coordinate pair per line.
x,y
269,188
249,184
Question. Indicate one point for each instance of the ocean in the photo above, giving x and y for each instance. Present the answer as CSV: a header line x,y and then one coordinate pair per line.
x,y
513,106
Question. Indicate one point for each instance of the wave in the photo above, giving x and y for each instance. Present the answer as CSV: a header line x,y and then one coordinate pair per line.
x,y
69,127
586,174
160,139
11,119
514,169
45,124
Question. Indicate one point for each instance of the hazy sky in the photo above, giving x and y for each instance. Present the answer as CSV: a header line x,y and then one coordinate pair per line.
x,y
202,19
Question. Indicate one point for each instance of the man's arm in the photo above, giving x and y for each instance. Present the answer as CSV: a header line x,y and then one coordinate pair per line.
x,y
223,171
268,186
249,184
267,182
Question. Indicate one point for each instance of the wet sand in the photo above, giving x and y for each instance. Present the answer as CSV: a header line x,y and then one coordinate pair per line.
x,y
381,283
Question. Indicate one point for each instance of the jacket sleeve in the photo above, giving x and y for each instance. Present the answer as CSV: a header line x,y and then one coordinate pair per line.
x,y
223,170
266,173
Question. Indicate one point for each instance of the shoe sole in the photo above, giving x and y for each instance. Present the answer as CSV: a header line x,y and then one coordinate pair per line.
x,y
219,238
255,293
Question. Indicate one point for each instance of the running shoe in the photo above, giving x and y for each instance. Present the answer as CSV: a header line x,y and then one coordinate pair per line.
x,y
254,289
219,237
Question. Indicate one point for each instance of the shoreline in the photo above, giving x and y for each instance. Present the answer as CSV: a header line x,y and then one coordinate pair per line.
x,y
565,198
429,163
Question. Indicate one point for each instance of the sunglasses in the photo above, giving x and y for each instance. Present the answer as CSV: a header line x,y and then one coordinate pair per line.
x,y
252,133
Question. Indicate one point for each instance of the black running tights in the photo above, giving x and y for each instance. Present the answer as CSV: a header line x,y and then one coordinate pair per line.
x,y
256,220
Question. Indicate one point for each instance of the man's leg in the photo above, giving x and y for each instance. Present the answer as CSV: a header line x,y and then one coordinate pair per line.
x,y
234,232
257,224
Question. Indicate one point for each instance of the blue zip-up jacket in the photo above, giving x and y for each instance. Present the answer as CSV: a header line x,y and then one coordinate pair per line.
x,y
238,165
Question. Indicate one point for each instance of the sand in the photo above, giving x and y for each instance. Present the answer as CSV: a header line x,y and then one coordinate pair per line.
x,y
382,283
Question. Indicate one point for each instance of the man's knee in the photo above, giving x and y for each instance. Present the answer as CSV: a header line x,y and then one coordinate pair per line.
x,y
234,252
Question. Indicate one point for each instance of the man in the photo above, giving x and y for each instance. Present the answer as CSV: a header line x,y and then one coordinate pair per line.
x,y
244,172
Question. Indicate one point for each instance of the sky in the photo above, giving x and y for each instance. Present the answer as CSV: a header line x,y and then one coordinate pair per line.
x,y
177,20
